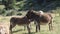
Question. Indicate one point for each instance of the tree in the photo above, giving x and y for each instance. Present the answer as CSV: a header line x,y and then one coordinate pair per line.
x,y
9,4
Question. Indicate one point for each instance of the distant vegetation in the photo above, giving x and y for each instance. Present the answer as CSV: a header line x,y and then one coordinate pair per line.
x,y
23,5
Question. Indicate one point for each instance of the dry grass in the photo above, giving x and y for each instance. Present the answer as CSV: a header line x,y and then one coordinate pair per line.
x,y
44,28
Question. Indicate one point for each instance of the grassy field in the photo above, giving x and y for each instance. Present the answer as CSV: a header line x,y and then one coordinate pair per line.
x,y
44,28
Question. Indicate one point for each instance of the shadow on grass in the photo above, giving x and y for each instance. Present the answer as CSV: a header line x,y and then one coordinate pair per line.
x,y
17,31
30,33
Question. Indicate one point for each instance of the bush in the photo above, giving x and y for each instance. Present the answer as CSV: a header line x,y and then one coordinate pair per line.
x,y
10,13
19,14
2,11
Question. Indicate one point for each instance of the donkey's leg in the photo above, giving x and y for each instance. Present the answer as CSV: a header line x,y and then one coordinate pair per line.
x,y
11,26
10,29
36,28
39,26
36,25
28,28
50,25
36,22
24,27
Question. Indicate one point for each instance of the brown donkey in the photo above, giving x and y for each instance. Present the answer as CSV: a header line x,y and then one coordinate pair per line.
x,y
19,21
41,19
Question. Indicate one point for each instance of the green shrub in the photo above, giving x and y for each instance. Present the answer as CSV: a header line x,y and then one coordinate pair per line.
x,y
19,14
10,13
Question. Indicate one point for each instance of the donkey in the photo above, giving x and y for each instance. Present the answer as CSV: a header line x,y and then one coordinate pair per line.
x,y
40,19
19,21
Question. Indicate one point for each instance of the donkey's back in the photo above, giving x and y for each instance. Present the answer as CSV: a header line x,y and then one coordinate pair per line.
x,y
19,20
